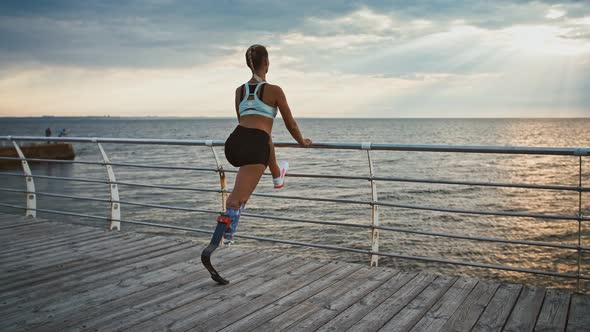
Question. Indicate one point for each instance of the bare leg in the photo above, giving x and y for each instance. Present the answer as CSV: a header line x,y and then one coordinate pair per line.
x,y
272,162
246,181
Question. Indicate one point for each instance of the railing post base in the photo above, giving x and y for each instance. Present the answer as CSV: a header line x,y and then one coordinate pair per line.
x,y
30,195
115,218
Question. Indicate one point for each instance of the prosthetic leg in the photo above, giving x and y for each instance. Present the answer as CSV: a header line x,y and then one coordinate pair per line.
x,y
223,224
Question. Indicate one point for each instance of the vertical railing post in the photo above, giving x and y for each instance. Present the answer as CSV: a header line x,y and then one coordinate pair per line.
x,y
222,183
374,259
31,196
579,222
115,217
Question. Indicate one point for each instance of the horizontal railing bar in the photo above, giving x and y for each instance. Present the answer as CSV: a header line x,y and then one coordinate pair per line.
x,y
109,140
59,161
327,176
315,199
479,212
74,214
331,223
324,176
327,145
133,184
481,238
103,200
168,207
363,251
483,265
56,178
405,230
432,181
484,184
183,168
335,200
369,252
332,200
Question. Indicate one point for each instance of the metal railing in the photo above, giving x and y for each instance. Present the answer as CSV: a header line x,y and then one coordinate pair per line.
x,y
373,202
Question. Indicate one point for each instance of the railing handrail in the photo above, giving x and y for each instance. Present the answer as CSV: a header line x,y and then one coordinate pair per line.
x,y
374,202
563,151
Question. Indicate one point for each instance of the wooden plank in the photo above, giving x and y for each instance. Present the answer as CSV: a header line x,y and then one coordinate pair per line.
x,y
14,225
382,313
46,253
496,313
100,260
290,286
52,236
359,309
334,303
10,216
179,311
162,285
184,290
44,278
38,236
54,241
116,309
13,219
50,249
252,299
23,294
553,315
97,296
524,314
32,268
45,297
413,312
297,313
247,317
467,314
31,222
12,236
579,314
446,306
255,320
61,260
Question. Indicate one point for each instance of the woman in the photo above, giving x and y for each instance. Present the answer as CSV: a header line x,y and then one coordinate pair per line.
x,y
249,146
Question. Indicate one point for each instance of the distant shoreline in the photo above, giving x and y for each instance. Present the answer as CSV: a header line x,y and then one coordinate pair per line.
x,y
53,118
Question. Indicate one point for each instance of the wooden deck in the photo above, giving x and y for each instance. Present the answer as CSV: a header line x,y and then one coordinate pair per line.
x,y
59,276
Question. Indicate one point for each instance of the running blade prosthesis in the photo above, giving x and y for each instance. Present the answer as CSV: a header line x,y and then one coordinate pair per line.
x,y
223,222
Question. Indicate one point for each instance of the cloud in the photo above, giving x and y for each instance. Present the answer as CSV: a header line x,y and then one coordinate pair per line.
x,y
398,58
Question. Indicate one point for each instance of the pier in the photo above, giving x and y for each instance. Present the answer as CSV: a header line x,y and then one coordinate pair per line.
x,y
63,276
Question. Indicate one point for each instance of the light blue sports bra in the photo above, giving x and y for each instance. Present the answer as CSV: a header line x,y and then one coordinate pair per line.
x,y
256,106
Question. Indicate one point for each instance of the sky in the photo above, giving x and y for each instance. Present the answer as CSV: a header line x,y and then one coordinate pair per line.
x,y
366,59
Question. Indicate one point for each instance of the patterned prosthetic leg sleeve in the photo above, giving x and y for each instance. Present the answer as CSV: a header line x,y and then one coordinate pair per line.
x,y
234,216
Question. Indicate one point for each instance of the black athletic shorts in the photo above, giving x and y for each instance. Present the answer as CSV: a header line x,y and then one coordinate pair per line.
x,y
247,146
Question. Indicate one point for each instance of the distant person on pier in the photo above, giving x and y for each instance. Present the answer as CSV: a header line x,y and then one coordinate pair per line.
x,y
62,133
48,134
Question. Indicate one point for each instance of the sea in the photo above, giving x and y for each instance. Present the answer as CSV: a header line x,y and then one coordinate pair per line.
x,y
477,167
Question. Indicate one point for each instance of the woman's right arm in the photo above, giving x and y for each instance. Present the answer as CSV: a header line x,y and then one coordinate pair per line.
x,y
289,120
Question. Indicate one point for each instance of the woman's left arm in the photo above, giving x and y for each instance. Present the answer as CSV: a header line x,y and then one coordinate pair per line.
x,y
237,102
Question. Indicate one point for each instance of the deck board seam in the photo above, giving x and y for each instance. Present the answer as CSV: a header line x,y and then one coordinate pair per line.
x,y
377,303
512,308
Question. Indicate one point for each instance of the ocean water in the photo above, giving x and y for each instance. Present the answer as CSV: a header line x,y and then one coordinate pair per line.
x,y
531,169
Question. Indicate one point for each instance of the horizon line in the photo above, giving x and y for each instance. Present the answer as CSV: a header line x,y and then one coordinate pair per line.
x,y
48,117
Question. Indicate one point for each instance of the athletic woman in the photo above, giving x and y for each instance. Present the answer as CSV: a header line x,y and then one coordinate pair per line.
x,y
249,146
